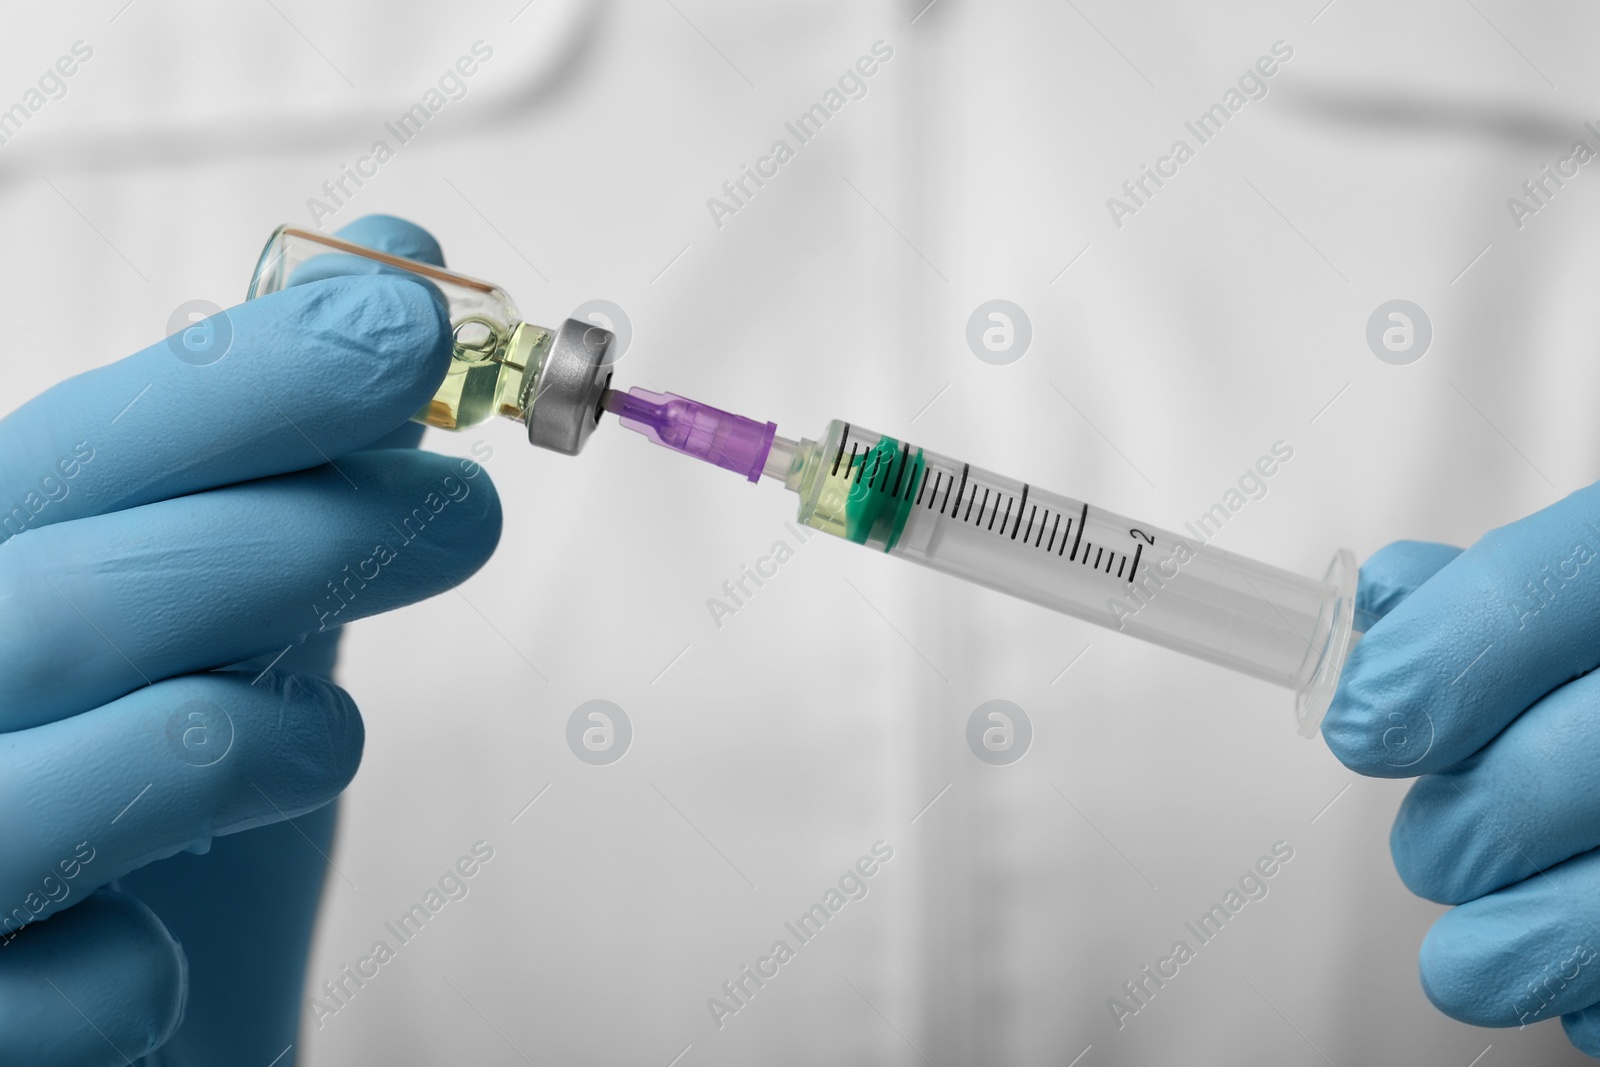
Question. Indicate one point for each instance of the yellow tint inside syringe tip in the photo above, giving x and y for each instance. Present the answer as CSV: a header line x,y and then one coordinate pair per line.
x,y
1052,550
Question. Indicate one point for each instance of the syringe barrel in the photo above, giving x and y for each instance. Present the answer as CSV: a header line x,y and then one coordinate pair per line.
x,y
1170,589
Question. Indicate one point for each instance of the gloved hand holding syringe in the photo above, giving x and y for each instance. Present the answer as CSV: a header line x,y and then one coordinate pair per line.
x,y
887,494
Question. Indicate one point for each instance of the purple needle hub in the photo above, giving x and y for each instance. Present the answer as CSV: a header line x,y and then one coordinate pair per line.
x,y
729,441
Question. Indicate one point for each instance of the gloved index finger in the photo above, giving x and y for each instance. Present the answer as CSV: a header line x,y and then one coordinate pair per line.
x,y
1496,628
289,381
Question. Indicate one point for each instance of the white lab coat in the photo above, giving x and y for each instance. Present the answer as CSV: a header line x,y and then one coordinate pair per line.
x,y
828,713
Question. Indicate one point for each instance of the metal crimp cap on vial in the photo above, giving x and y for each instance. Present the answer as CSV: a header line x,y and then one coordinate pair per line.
x,y
564,403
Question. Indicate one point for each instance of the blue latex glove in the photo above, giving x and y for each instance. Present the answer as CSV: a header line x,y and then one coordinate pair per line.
x,y
165,822
1474,677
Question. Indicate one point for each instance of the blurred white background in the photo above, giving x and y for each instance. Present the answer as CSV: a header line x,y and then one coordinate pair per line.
x,y
1168,354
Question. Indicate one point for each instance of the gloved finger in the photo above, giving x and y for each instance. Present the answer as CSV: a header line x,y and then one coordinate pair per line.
x,y
98,607
313,372
245,913
398,237
1496,628
1522,954
1524,803
163,770
316,654
1393,573
102,983
1583,1029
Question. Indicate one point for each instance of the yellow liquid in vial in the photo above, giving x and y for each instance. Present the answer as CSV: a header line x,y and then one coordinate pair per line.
x,y
493,370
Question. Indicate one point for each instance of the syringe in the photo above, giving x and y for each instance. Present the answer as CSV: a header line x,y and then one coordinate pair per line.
x,y
1052,550
880,492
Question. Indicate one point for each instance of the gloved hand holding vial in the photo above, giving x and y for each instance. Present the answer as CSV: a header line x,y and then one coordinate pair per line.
x,y
172,744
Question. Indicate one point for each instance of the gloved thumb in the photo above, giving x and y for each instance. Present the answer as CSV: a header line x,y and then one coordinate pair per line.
x,y
1393,573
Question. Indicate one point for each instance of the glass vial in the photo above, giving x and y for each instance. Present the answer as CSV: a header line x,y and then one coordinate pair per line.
x,y
499,365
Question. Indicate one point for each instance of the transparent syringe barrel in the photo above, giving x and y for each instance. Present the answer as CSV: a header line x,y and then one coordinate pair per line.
x,y
1066,554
